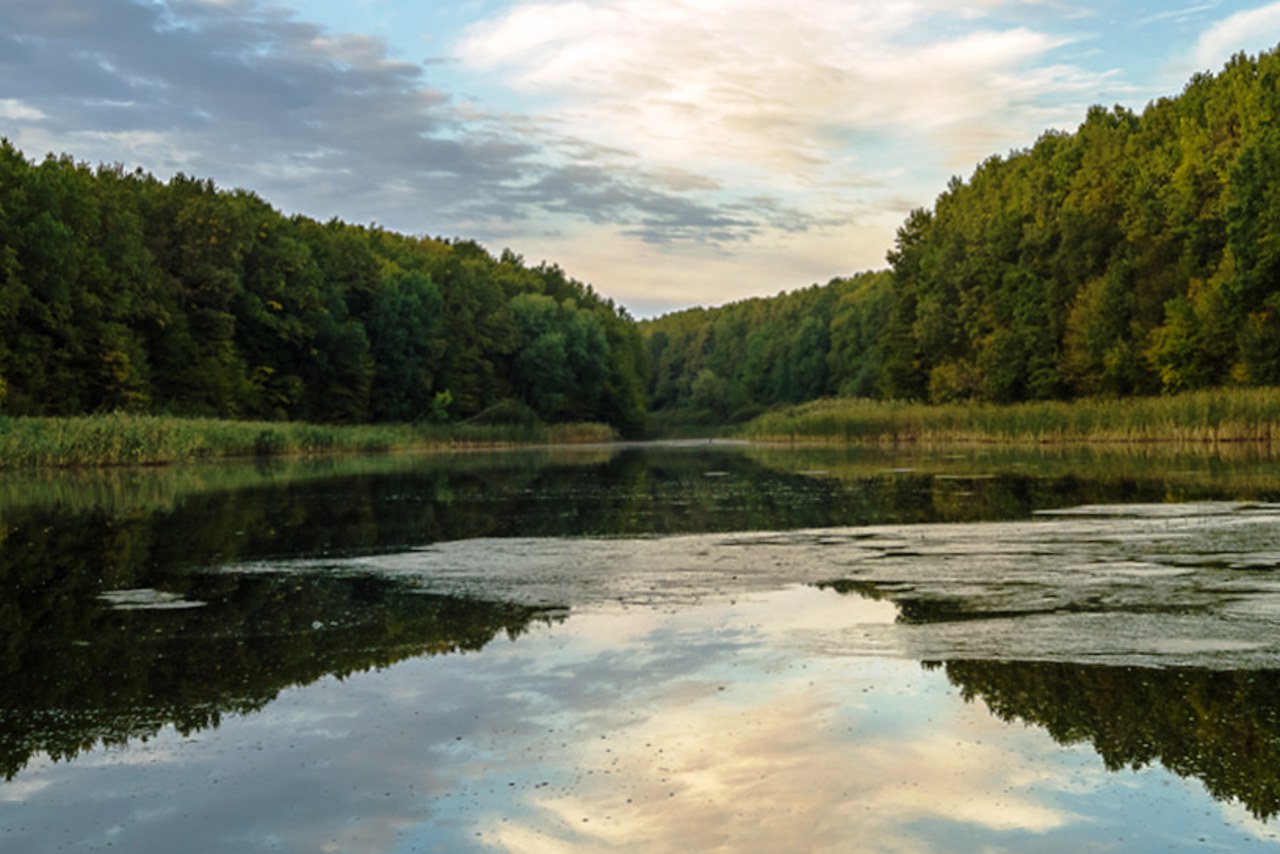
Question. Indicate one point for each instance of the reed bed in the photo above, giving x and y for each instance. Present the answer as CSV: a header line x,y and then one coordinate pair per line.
x,y
1195,418
126,439
585,433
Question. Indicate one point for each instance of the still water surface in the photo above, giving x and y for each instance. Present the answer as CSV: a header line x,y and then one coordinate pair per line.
x,y
657,648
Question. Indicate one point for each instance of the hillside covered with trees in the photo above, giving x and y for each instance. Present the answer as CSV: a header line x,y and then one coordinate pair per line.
x,y
1138,255
728,363
122,292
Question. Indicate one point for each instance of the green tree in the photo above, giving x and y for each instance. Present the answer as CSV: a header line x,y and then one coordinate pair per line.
x,y
406,334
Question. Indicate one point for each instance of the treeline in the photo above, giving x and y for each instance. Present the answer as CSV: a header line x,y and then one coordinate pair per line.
x,y
735,361
122,292
1137,255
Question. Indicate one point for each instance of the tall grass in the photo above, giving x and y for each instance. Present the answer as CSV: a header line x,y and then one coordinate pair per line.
x,y
1206,417
123,439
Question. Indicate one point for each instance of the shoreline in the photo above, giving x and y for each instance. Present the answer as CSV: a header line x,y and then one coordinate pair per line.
x,y
121,439
1197,423
1194,419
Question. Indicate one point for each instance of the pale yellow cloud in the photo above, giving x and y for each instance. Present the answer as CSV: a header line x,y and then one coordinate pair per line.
x,y
653,278
819,104
771,773
739,84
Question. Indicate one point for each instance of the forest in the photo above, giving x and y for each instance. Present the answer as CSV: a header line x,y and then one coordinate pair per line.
x,y
1138,255
120,292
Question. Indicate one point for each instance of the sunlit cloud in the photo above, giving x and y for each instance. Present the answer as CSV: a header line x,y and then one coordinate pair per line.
x,y
738,85
1250,31
818,107
716,150
655,278
687,777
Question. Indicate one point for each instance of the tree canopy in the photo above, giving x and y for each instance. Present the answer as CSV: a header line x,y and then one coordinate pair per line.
x,y
120,291
1138,255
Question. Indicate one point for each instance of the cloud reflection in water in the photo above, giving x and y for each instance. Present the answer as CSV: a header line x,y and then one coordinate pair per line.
x,y
708,729
722,727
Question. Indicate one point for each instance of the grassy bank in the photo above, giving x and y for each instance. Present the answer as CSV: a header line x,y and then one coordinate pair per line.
x,y
121,439
1211,417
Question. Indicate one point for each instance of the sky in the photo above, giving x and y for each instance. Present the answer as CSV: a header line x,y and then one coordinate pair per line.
x,y
670,153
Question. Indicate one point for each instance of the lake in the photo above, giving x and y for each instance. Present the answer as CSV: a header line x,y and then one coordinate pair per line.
x,y
677,647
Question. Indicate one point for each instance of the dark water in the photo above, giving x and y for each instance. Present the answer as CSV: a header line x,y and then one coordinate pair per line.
x,y
701,647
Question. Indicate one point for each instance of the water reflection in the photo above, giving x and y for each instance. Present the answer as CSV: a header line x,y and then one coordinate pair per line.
x,y
133,662
715,728
1221,728
277,649
380,503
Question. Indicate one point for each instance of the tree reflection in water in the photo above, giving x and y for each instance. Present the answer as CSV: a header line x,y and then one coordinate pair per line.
x,y
1222,728
230,645
89,658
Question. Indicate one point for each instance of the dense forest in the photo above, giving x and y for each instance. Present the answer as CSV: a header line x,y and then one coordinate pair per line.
x,y
122,292
1138,255
732,362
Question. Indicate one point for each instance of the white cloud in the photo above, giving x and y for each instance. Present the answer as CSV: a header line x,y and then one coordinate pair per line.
x,y
1254,30
164,153
737,88
1236,814
838,108
14,110
827,104
723,759
721,147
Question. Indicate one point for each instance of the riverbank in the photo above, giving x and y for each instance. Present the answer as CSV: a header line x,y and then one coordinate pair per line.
x,y
1206,419
124,439
1194,418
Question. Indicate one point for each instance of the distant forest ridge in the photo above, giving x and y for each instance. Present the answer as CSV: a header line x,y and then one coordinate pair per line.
x,y
1137,255
122,292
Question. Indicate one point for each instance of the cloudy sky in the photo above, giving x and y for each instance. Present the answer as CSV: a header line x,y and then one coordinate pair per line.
x,y
669,152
